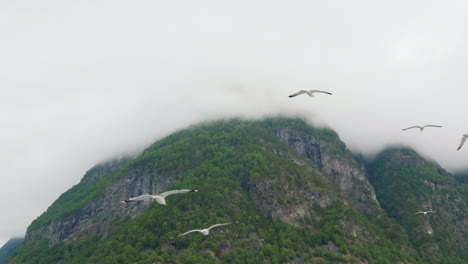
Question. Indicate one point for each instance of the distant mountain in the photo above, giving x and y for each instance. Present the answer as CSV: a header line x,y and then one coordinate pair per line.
x,y
9,247
461,177
294,193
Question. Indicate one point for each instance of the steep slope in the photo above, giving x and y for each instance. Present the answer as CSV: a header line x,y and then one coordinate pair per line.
x,y
74,213
294,192
406,183
462,177
9,248
323,148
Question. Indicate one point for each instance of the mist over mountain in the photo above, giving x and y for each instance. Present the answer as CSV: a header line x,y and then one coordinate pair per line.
x,y
294,193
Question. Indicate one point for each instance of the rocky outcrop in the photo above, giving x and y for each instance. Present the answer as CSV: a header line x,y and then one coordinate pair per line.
x,y
304,144
96,217
289,205
342,166
318,159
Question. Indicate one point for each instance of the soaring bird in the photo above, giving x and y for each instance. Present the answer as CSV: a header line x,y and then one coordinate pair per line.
x,y
204,231
425,212
160,198
462,141
309,93
421,127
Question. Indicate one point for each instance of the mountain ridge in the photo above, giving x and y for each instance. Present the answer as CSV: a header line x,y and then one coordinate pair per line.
x,y
294,179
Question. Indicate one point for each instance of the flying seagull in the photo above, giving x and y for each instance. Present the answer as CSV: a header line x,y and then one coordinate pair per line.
x,y
204,231
462,141
425,212
160,198
421,127
309,93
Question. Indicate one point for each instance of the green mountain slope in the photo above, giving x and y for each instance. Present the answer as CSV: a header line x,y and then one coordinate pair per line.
x,y
9,248
294,194
405,183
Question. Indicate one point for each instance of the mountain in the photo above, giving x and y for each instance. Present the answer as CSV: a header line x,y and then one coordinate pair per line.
x,y
294,193
406,183
9,247
461,177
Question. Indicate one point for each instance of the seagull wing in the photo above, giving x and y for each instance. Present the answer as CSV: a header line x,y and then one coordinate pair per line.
x,y
419,213
462,142
165,194
213,226
432,126
191,231
298,93
144,197
319,91
412,127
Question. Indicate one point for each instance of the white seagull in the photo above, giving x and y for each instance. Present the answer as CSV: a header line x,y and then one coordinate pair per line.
x,y
462,141
421,127
309,93
160,198
204,231
425,212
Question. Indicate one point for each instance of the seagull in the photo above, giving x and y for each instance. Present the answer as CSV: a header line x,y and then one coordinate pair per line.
x,y
462,141
425,212
421,127
160,198
204,231
309,93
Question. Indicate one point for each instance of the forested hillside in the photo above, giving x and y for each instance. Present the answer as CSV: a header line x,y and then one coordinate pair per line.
x,y
293,193
9,248
405,184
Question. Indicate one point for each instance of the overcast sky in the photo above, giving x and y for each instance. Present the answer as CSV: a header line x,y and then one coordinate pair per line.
x,y
84,81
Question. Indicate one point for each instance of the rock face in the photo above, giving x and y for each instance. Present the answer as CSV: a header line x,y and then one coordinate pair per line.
x,y
96,216
306,145
315,156
344,169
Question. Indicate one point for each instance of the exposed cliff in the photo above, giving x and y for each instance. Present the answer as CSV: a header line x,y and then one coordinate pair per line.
x,y
331,158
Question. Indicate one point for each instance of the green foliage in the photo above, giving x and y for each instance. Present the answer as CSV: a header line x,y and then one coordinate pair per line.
x,y
9,248
404,182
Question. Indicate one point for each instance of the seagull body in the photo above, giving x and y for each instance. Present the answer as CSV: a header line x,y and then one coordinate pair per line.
x,y
425,212
205,231
462,141
309,93
421,127
160,198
